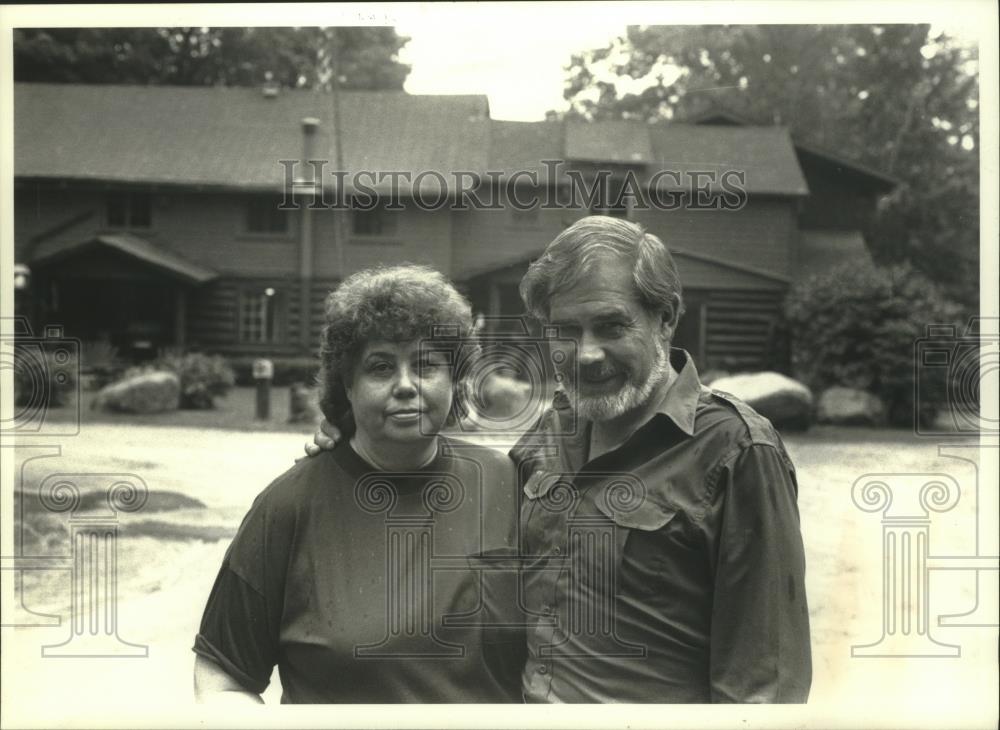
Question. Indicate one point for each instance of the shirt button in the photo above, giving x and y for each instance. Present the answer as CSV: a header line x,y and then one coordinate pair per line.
x,y
557,550
543,669
546,610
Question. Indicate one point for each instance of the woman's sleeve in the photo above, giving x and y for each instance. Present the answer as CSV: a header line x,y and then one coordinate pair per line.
x,y
241,624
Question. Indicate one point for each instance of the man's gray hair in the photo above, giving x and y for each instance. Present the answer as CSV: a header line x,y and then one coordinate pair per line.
x,y
579,248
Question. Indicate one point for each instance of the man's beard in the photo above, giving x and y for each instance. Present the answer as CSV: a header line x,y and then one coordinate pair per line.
x,y
632,395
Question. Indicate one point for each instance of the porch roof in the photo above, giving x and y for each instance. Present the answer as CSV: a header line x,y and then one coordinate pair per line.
x,y
135,247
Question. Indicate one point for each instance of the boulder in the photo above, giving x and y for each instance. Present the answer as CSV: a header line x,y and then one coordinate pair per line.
x,y
710,376
302,406
151,392
850,407
498,401
786,402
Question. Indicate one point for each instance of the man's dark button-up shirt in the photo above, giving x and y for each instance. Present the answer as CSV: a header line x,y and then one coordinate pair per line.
x,y
670,569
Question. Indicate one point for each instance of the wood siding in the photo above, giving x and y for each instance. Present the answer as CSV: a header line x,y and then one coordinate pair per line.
x,y
743,330
208,228
762,234
421,237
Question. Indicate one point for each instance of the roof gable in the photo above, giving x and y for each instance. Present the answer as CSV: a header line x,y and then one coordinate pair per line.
x,y
858,172
134,247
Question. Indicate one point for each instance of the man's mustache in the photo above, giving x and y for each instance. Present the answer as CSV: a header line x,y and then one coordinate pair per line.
x,y
598,372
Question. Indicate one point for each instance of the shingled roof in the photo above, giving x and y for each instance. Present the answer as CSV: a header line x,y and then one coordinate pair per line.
x,y
235,137
764,154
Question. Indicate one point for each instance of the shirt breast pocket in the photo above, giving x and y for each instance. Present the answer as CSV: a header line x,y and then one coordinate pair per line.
x,y
637,534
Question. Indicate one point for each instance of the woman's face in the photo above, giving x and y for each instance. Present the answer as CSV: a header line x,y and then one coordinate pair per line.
x,y
400,393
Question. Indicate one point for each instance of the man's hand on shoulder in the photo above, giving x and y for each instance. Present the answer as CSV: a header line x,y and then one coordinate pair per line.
x,y
324,439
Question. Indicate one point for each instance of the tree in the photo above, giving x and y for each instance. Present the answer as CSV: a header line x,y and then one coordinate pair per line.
x,y
291,57
891,96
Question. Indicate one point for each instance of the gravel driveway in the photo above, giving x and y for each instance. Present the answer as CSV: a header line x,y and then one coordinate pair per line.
x,y
164,581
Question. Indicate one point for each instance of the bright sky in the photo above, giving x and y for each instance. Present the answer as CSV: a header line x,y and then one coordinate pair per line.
x,y
518,65
516,53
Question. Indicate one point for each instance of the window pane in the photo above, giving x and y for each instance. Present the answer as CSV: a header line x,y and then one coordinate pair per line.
x,y
264,216
141,210
260,316
375,222
117,209
367,222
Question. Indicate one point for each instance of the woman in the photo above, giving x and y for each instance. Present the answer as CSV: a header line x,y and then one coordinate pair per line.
x,y
364,575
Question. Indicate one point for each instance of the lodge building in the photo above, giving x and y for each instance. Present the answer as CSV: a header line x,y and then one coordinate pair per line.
x,y
151,216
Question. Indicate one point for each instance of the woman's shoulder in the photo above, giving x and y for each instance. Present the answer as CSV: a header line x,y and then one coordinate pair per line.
x,y
295,487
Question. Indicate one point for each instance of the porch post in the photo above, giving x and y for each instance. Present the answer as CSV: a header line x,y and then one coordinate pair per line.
x,y
309,127
180,316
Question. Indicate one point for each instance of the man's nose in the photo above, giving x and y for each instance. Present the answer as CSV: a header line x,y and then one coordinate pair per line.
x,y
590,350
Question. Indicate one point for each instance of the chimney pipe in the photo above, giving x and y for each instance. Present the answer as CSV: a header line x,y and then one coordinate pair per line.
x,y
309,127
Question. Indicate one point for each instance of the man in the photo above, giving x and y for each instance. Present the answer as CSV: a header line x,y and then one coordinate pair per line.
x,y
662,557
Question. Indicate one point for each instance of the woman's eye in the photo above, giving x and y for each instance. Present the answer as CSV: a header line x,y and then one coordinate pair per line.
x,y
380,368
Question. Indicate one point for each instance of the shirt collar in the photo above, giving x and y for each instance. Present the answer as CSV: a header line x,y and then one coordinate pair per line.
x,y
680,401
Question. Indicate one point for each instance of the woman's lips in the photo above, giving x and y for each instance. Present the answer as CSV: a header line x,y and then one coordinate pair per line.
x,y
405,416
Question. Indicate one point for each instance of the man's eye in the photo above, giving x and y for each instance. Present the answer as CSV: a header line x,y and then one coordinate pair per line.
x,y
613,329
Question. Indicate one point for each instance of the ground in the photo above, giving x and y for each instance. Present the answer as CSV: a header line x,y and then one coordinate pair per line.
x,y
203,480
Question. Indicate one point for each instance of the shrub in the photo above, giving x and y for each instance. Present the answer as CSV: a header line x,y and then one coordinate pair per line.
x,y
99,360
203,377
856,326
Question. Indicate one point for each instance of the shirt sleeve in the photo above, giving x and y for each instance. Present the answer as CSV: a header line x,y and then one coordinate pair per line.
x,y
242,620
760,649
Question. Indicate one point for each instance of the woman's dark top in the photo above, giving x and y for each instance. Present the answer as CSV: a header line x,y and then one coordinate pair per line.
x,y
369,587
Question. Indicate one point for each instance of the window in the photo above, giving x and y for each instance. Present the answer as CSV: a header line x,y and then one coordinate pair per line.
x,y
261,315
264,216
129,210
375,222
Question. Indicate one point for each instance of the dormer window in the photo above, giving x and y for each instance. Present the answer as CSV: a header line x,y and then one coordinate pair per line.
x,y
263,216
129,210
375,222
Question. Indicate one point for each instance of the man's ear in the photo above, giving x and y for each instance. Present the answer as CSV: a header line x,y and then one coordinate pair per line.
x,y
669,317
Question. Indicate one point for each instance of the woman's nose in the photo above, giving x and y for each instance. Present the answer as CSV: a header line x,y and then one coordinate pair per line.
x,y
406,384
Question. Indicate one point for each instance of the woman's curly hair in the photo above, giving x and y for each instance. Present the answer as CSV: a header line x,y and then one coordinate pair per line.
x,y
393,304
